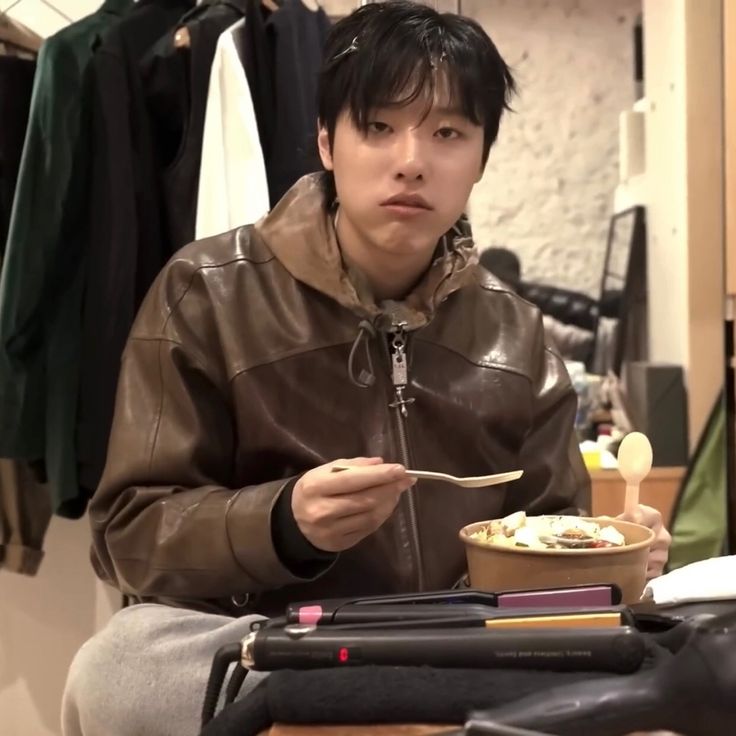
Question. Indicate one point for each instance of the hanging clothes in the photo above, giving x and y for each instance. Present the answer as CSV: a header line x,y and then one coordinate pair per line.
x,y
132,245
298,35
25,513
16,84
254,47
25,506
233,188
177,79
41,282
124,245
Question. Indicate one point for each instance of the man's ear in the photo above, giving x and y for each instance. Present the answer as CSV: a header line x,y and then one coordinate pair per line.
x,y
323,143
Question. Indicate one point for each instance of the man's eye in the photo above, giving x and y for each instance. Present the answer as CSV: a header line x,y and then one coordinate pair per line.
x,y
377,127
448,133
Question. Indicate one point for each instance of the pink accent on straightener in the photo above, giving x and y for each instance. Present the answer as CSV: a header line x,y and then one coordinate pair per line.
x,y
310,615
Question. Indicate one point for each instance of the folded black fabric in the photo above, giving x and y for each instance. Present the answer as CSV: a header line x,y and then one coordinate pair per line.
x,y
376,694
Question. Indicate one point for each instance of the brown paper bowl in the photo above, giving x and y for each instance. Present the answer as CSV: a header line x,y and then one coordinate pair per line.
x,y
493,567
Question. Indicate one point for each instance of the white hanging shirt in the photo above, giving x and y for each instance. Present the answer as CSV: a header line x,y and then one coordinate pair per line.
x,y
233,189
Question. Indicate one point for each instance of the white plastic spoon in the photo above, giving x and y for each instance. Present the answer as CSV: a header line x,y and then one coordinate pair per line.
x,y
476,481
634,464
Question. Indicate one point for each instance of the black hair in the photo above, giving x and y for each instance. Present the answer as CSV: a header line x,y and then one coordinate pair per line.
x,y
387,49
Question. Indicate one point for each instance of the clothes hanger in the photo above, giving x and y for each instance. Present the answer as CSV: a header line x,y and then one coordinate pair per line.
x,y
182,39
16,33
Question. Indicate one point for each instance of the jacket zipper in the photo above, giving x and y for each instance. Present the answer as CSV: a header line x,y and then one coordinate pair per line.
x,y
397,342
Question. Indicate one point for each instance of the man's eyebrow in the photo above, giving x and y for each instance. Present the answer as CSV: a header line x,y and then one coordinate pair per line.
x,y
454,110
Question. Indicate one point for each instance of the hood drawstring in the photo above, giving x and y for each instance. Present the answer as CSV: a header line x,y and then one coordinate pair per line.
x,y
367,377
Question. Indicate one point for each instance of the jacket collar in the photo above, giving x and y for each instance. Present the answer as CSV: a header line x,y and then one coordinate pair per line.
x,y
300,233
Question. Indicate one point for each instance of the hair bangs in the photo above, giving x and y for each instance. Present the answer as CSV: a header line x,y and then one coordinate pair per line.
x,y
396,71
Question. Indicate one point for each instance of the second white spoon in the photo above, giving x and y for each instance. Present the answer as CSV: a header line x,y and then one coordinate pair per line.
x,y
475,481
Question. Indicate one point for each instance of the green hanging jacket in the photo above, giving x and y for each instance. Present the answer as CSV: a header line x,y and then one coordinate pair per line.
x,y
42,274
699,517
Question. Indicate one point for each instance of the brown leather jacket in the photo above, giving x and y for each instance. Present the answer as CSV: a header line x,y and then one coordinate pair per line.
x,y
255,357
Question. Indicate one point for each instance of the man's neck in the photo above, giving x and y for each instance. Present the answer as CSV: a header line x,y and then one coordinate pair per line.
x,y
390,276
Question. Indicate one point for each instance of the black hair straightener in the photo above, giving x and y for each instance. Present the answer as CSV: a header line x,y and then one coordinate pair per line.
x,y
621,649
593,631
428,615
582,596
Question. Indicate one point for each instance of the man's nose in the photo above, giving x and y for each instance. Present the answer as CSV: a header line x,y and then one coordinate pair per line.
x,y
410,158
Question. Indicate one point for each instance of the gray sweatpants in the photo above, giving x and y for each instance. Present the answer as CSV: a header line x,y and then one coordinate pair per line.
x,y
146,672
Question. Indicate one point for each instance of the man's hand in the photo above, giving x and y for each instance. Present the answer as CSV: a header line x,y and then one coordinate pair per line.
x,y
659,551
335,510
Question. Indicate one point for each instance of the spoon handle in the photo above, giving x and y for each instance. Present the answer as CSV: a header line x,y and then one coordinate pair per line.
x,y
418,474
631,501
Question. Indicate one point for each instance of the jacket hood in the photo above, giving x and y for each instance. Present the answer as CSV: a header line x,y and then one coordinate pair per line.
x,y
300,233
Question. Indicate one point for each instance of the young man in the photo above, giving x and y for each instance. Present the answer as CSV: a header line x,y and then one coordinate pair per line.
x,y
350,326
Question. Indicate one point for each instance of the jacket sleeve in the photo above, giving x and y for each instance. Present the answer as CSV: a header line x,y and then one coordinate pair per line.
x,y
167,519
38,259
555,479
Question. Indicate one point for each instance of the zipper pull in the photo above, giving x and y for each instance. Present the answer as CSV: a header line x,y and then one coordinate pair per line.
x,y
399,369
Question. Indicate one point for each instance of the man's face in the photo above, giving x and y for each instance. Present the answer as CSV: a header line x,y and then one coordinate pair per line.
x,y
405,182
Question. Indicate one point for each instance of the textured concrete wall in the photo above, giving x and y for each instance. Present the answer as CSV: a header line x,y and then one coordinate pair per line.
x,y
548,189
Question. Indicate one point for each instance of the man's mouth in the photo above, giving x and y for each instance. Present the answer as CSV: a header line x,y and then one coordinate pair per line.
x,y
407,203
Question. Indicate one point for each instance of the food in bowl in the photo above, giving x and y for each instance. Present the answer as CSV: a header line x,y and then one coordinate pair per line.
x,y
549,532
506,566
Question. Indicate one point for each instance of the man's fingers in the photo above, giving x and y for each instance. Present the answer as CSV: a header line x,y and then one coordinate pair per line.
x,y
359,461
662,544
651,517
378,500
659,551
637,517
644,515
360,502
362,524
337,508
655,566
348,531
361,477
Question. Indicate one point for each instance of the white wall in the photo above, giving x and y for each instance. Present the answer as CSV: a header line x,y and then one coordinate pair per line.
x,y
43,621
548,190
